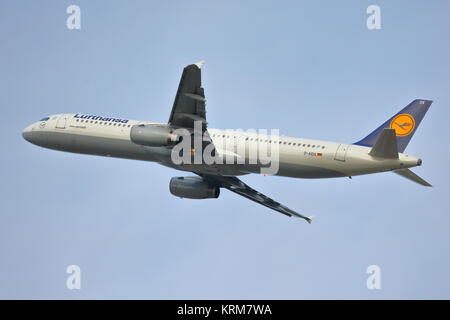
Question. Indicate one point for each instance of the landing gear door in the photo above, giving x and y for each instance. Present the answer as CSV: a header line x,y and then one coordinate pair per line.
x,y
62,121
341,152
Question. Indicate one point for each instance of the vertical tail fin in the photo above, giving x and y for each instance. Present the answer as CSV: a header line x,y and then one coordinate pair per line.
x,y
405,124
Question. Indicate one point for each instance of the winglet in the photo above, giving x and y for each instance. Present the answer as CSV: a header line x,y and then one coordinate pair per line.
x,y
309,219
200,64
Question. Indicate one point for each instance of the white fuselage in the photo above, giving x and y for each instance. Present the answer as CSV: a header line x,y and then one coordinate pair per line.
x,y
298,157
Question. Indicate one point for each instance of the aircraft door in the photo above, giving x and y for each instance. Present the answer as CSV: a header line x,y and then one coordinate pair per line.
x,y
62,121
341,152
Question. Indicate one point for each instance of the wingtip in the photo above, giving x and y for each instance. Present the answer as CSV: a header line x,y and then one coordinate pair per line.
x,y
200,64
309,219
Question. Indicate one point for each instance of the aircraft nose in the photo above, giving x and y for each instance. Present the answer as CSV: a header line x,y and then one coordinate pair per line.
x,y
28,134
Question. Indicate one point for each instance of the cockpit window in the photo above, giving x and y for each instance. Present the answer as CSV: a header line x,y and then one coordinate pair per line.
x,y
44,119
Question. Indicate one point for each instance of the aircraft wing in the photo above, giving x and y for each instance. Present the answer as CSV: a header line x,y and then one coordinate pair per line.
x,y
235,185
189,104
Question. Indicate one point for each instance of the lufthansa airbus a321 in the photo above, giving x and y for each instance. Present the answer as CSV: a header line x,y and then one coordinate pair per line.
x,y
381,151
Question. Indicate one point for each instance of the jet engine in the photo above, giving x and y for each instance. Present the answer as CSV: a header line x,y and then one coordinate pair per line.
x,y
193,188
153,136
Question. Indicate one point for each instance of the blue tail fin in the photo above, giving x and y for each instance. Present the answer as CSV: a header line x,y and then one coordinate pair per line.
x,y
404,122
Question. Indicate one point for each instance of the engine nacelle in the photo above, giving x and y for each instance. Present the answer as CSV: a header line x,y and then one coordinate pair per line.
x,y
193,188
152,136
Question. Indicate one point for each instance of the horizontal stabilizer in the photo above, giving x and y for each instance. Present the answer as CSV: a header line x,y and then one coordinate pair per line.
x,y
386,145
408,174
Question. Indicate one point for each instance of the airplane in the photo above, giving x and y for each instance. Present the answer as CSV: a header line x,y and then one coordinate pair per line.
x,y
380,151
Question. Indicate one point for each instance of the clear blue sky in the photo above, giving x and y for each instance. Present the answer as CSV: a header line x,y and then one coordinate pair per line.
x,y
310,68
